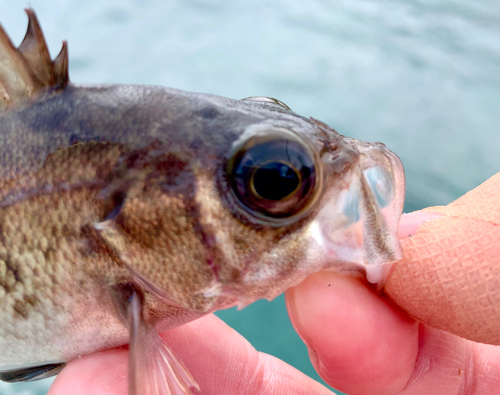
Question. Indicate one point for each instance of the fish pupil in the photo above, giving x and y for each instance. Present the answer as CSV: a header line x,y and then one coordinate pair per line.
x,y
275,180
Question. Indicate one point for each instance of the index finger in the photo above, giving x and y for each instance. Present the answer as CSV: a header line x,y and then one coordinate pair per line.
x,y
448,277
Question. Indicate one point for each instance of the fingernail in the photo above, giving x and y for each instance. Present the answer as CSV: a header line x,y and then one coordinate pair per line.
x,y
409,223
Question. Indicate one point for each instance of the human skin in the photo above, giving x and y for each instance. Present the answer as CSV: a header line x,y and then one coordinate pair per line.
x,y
359,340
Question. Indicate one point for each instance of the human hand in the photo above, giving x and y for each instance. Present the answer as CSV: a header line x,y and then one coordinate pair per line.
x,y
362,343
225,365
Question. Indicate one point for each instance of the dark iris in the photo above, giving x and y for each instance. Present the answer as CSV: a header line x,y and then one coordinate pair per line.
x,y
273,174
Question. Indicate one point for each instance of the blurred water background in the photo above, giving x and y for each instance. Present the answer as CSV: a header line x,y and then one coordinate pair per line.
x,y
421,76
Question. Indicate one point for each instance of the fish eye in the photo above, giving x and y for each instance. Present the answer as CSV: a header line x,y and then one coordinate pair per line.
x,y
268,100
273,174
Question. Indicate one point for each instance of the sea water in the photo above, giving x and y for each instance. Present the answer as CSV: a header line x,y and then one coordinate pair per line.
x,y
421,76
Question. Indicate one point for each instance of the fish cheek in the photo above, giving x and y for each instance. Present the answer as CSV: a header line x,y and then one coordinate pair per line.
x,y
258,261
281,262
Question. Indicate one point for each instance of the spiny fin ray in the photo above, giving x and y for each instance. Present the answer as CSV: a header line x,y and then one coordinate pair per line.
x,y
27,70
15,80
60,66
35,52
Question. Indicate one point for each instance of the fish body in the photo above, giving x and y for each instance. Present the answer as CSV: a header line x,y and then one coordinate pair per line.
x,y
127,210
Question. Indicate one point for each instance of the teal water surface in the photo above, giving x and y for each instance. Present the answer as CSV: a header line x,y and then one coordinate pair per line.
x,y
421,76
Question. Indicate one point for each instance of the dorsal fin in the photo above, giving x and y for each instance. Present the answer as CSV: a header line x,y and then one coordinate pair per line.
x,y
27,70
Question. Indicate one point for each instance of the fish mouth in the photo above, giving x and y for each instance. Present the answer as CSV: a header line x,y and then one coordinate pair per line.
x,y
360,224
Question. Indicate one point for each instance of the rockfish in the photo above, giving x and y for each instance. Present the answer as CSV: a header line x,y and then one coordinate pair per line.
x,y
126,210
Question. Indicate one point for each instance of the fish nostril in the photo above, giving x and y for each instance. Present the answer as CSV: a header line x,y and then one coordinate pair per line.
x,y
208,113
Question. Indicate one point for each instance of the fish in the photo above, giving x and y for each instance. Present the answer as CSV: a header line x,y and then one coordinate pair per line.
x,y
128,210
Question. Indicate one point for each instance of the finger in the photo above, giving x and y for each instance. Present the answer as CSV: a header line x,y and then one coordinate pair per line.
x,y
363,345
104,373
482,203
448,365
358,342
449,275
220,360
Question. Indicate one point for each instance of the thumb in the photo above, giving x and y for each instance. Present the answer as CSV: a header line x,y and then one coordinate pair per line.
x,y
448,277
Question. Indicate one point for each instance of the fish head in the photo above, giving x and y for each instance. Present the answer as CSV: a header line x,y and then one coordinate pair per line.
x,y
247,204
207,201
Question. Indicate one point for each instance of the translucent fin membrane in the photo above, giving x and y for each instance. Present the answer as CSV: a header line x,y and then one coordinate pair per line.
x,y
153,368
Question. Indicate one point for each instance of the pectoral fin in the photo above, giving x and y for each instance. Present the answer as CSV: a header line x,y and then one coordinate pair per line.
x,y
32,373
154,369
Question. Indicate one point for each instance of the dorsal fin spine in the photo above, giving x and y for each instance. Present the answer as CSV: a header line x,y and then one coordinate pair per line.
x,y
34,50
60,65
27,70
15,79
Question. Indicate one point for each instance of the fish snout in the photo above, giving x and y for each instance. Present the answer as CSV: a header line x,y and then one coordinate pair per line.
x,y
359,224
